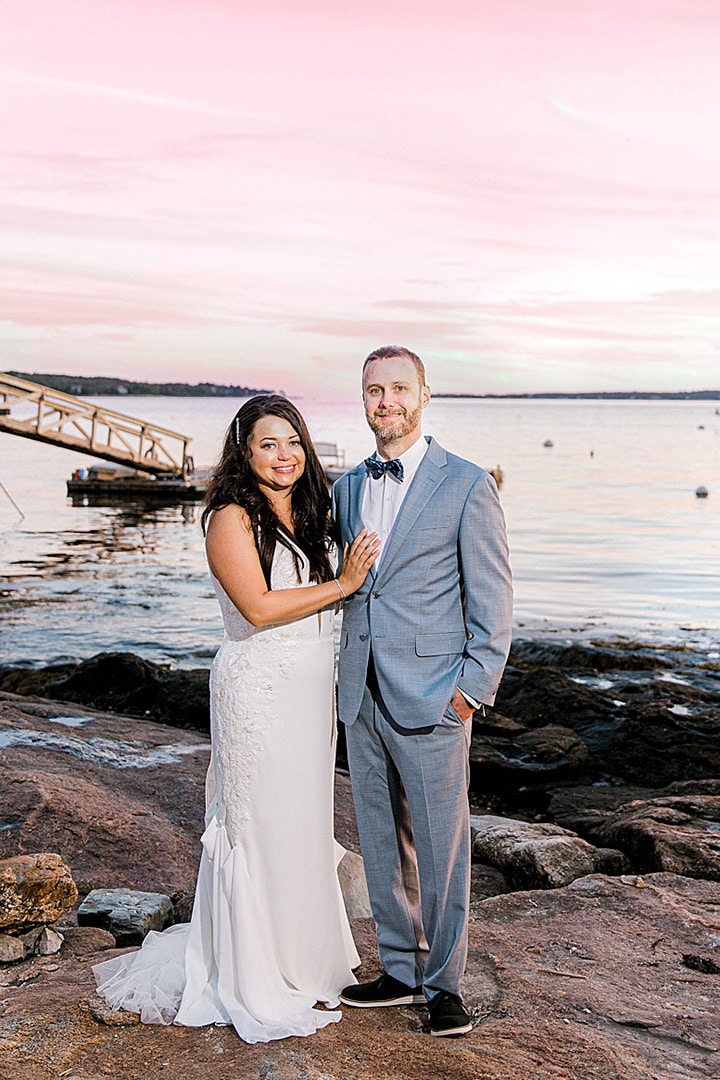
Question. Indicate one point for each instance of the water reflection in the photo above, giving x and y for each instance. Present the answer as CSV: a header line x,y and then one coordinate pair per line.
x,y
139,506
132,579
132,530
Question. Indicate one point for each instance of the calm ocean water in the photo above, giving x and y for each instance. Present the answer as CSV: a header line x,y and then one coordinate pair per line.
x,y
607,536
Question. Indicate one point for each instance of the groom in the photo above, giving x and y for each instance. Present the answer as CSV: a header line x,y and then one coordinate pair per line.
x,y
423,644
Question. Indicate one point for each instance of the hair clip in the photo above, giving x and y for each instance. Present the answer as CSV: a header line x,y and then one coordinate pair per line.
x,y
237,430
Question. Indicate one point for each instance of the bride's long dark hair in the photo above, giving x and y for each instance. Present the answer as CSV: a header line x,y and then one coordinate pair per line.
x,y
233,481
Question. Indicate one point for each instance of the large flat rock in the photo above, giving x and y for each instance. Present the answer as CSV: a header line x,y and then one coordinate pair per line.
x,y
606,978
120,798
595,981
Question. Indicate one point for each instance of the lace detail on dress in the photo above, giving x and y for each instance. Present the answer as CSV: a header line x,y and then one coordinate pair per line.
x,y
243,690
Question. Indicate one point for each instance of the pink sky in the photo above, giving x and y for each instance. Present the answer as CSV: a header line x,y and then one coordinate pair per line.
x,y
526,193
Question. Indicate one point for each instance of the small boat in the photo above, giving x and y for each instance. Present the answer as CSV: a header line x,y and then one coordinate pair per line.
x,y
548,442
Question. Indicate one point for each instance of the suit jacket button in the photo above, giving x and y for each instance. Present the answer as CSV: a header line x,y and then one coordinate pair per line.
x,y
363,637
376,596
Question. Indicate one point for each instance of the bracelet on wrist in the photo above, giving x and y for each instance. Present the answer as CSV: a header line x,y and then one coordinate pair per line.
x,y
342,591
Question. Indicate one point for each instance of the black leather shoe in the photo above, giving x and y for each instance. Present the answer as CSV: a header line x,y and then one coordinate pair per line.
x,y
448,1015
382,991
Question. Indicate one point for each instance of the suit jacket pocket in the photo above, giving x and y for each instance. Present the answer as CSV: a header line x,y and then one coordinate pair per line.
x,y
450,644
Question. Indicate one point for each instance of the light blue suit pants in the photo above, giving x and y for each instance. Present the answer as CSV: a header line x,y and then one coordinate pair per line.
x,y
411,802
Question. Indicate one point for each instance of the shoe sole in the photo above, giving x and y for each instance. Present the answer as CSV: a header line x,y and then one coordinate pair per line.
x,y
407,999
463,1030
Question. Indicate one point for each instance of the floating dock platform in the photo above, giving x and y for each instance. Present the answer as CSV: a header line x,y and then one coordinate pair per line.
x,y
101,485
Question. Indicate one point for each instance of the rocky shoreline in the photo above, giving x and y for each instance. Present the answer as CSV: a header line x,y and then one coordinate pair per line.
x,y
595,931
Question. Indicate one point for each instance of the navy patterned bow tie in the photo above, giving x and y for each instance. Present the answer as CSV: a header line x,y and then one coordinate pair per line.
x,y
377,468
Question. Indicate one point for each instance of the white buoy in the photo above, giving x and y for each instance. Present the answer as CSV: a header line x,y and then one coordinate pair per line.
x,y
702,492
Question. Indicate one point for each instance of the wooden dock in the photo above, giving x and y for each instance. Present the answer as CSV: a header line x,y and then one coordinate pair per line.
x,y
150,464
37,412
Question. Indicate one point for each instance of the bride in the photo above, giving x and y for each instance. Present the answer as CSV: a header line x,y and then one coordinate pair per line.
x,y
269,938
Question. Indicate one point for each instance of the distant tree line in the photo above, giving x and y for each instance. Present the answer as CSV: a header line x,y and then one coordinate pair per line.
x,y
96,385
103,386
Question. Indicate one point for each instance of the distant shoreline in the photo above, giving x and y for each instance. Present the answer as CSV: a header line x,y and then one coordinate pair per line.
x,y
107,386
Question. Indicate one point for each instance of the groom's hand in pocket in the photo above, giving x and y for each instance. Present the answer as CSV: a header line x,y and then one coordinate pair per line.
x,y
462,706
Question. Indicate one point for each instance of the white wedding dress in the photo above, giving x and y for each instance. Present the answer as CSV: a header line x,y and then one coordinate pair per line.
x,y
269,937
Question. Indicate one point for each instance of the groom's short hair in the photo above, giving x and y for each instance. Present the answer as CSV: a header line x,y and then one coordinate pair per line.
x,y
386,351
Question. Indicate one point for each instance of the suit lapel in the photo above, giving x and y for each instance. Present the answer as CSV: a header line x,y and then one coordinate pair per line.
x,y
356,483
427,480
356,486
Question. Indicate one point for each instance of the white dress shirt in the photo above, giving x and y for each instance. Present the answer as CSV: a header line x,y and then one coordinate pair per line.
x,y
383,498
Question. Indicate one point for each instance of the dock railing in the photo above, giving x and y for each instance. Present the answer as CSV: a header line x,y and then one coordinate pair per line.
x,y
331,456
38,412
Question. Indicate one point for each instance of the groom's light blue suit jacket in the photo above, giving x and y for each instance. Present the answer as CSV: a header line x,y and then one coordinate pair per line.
x,y
437,612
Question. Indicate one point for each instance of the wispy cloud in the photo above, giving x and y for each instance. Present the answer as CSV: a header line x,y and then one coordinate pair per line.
x,y
139,97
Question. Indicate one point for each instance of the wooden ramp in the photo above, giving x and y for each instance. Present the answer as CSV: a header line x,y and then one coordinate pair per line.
x,y
37,412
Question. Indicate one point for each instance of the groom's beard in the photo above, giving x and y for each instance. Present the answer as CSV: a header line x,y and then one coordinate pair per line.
x,y
392,426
